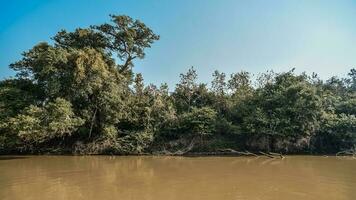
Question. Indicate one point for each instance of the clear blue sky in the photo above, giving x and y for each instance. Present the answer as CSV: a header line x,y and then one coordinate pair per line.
x,y
228,35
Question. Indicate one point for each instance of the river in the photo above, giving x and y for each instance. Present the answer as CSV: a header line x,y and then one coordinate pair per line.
x,y
176,178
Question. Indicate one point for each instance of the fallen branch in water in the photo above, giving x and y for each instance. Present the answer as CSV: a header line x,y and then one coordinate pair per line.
x,y
265,154
276,154
179,152
249,153
227,151
186,150
347,152
246,153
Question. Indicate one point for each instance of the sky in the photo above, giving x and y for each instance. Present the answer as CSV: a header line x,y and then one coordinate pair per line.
x,y
227,35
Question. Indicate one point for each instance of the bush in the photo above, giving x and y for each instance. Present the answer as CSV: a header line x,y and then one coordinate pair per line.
x,y
338,133
198,122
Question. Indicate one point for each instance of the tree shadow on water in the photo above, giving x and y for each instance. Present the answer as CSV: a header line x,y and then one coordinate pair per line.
x,y
12,157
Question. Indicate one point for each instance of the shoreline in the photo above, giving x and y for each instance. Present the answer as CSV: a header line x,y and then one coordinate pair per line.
x,y
193,154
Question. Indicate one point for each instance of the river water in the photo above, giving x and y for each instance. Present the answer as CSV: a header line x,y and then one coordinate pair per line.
x,y
176,178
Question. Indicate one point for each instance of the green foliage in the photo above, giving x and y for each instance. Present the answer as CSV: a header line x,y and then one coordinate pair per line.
x,y
198,122
15,95
347,105
81,38
338,133
129,143
128,38
80,93
288,107
37,125
240,82
282,110
188,93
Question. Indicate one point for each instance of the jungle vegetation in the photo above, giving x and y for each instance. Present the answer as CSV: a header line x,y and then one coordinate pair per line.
x,y
78,94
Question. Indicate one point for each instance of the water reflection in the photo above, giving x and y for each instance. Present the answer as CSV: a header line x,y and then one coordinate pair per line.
x,y
156,178
12,157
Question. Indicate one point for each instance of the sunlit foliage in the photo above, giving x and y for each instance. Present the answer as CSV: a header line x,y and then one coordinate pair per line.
x,y
79,94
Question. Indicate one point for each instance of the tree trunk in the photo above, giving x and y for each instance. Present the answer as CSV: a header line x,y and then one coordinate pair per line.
x,y
92,122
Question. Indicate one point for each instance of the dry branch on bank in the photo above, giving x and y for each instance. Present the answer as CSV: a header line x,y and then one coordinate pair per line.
x,y
265,154
351,152
247,153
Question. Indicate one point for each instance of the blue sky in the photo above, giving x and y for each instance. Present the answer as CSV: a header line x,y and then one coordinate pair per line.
x,y
228,35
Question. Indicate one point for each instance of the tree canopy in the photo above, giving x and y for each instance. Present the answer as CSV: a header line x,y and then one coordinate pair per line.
x,y
78,94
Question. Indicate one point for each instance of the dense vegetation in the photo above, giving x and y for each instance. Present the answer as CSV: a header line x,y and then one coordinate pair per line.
x,y
80,95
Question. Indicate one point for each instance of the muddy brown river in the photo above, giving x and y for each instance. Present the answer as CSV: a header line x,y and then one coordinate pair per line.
x,y
176,178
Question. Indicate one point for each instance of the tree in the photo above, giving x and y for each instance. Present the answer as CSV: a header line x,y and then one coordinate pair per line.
x,y
81,38
183,94
287,109
37,125
128,38
219,94
337,133
199,122
15,96
79,68
218,84
239,82
352,79
80,93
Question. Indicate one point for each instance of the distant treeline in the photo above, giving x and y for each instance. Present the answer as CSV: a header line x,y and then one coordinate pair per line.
x,y
73,96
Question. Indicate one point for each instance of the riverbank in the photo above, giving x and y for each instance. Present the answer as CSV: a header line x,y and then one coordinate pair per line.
x,y
190,154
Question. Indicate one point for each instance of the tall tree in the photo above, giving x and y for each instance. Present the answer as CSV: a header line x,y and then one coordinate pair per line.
x,y
128,38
